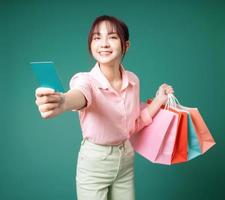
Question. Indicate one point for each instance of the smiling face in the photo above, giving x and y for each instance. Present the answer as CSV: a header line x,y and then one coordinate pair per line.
x,y
106,45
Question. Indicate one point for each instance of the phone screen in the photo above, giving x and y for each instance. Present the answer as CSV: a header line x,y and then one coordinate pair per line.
x,y
46,75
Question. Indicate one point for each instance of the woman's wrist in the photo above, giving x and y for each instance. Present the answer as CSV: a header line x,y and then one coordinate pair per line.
x,y
62,102
155,105
159,101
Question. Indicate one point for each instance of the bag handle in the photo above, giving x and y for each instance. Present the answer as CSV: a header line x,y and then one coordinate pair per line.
x,y
172,102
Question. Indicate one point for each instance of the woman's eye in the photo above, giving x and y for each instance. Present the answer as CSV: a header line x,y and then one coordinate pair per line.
x,y
96,38
113,37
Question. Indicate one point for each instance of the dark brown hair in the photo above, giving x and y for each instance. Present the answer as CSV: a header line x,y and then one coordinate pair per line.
x,y
119,26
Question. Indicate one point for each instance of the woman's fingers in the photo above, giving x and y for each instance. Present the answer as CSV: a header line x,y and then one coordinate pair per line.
x,y
54,98
48,107
166,89
169,90
48,101
48,114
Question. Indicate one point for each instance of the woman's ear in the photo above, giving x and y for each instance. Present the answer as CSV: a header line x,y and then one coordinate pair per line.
x,y
127,45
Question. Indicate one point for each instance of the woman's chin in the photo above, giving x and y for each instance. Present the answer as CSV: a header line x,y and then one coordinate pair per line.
x,y
107,61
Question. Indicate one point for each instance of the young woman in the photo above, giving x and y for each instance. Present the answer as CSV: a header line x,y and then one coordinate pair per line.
x,y
108,101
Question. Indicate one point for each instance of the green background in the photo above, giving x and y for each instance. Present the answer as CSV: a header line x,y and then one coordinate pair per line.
x,y
181,43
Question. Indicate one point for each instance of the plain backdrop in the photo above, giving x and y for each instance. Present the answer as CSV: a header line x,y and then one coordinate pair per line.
x,y
178,42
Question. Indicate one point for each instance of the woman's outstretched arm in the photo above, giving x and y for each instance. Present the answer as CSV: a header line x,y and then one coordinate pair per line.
x,y
51,103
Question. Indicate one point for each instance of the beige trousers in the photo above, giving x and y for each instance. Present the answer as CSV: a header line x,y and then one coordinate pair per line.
x,y
105,172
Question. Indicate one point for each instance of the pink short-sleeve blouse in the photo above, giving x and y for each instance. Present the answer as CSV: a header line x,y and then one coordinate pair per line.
x,y
110,117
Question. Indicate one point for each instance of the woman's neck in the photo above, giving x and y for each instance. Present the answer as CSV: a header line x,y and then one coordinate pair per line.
x,y
111,72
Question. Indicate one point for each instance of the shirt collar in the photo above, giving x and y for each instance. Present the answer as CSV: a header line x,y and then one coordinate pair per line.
x,y
103,81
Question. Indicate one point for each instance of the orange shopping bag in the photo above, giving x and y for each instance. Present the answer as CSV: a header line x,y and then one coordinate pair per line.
x,y
204,136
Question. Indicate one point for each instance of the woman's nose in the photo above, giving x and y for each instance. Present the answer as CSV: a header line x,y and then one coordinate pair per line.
x,y
104,42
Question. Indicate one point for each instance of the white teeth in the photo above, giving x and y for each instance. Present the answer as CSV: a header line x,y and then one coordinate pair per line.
x,y
105,52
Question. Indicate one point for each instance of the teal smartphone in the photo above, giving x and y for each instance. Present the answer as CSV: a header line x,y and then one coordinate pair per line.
x,y
46,75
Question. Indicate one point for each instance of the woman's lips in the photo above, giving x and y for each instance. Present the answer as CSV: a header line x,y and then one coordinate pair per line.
x,y
105,53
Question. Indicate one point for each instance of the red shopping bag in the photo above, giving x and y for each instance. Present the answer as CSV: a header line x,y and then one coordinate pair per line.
x,y
180,153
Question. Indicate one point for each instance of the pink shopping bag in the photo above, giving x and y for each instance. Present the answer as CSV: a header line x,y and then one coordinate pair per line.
x,y
156,141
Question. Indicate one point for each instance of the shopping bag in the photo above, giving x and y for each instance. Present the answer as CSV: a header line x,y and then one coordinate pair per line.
x,y
156,141
199,137
180,153
166,151
189,146
193,143
204,136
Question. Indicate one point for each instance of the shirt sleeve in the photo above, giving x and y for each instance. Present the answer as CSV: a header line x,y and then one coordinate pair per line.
x,y
80,82
143,119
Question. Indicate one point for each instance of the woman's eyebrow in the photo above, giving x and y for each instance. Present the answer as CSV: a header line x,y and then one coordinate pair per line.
x,y
110,33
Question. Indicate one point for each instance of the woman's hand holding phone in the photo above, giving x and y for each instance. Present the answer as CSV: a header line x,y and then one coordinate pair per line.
x,y
49,102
